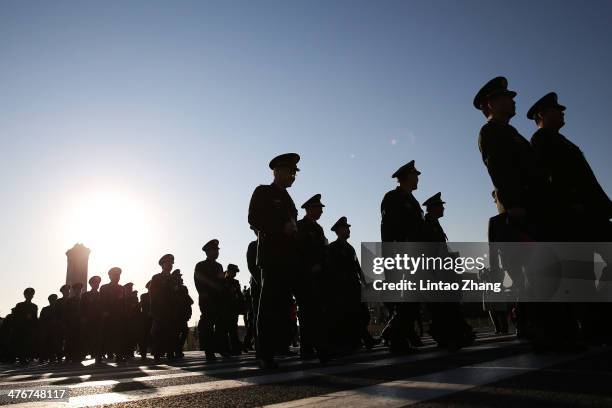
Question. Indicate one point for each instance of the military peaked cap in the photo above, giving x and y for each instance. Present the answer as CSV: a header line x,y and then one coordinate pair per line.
x,y
232,268
342,222
314,201
433,200
212,244
547,101
166,258
496,86
405,170
288,160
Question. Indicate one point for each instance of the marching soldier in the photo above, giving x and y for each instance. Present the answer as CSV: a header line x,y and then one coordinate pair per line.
x,y
47,327
209,278
350,316
312,245
112,302
509,159
402,221
26,323
273,215
182,304
91,319
144,323
582,204
131,315
162,310
73,334
234,305
61,310
449,328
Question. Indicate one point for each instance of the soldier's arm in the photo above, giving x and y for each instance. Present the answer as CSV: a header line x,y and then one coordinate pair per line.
x,y
390,220
498,160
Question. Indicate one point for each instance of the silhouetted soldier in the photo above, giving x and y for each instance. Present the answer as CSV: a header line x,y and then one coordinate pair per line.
x,y
91,319
112,299
26,324
449,328
7,338
130,321
209,277
47,330
163,329
255,283
144,323
233,306
61,309
509,159
182,304
73,334
273,215
344,279
312,245
402,221
580,202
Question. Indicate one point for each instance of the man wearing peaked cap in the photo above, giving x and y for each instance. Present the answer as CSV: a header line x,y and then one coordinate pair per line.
x,y
272,213
211,245
312,243
209,280
233,306
26,317
506,154
112,304
91,319
162,310
402,221
435,211
435,199
582,203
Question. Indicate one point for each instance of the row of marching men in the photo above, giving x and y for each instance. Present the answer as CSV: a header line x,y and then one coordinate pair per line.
x,y
106,322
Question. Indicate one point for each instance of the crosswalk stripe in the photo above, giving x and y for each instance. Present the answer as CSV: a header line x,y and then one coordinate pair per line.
x,y
405,392
177,390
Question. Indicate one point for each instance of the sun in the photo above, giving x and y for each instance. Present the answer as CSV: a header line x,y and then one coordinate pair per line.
x,y
116,226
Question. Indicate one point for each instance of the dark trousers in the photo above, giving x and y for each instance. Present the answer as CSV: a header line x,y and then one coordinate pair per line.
x,y
208,329
279,284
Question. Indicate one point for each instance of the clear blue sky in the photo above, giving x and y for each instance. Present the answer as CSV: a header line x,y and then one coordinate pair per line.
x,y
177,107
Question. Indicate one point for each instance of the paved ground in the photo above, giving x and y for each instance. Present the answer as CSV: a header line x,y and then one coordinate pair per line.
x,y
495,372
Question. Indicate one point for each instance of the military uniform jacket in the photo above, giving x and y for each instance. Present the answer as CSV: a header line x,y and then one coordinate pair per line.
x,y
271,207
112,300
402,217
90,307
433,230
182,303
511,164
160,292
312,243
233,295
342,267
26,315
569,173
209,277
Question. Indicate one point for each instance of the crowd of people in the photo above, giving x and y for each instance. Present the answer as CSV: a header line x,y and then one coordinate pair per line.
x,y
545,191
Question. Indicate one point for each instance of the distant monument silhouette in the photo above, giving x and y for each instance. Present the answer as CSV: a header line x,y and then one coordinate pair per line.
x,y
78,258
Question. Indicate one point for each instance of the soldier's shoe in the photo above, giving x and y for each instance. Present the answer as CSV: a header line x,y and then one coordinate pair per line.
x,y
267,364
210,357
157,358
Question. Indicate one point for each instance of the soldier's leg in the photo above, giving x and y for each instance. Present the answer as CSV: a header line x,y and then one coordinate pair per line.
x,y
273,312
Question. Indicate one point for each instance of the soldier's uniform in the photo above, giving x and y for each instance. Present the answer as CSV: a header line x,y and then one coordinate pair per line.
x,y
162,312
144,323
344,280
182,304
402,221
254,287
208,277
74,344
131,317
449,328
233,306
580,202
26,324
61,311
47,326
271,213
112,302
91,320
312,248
